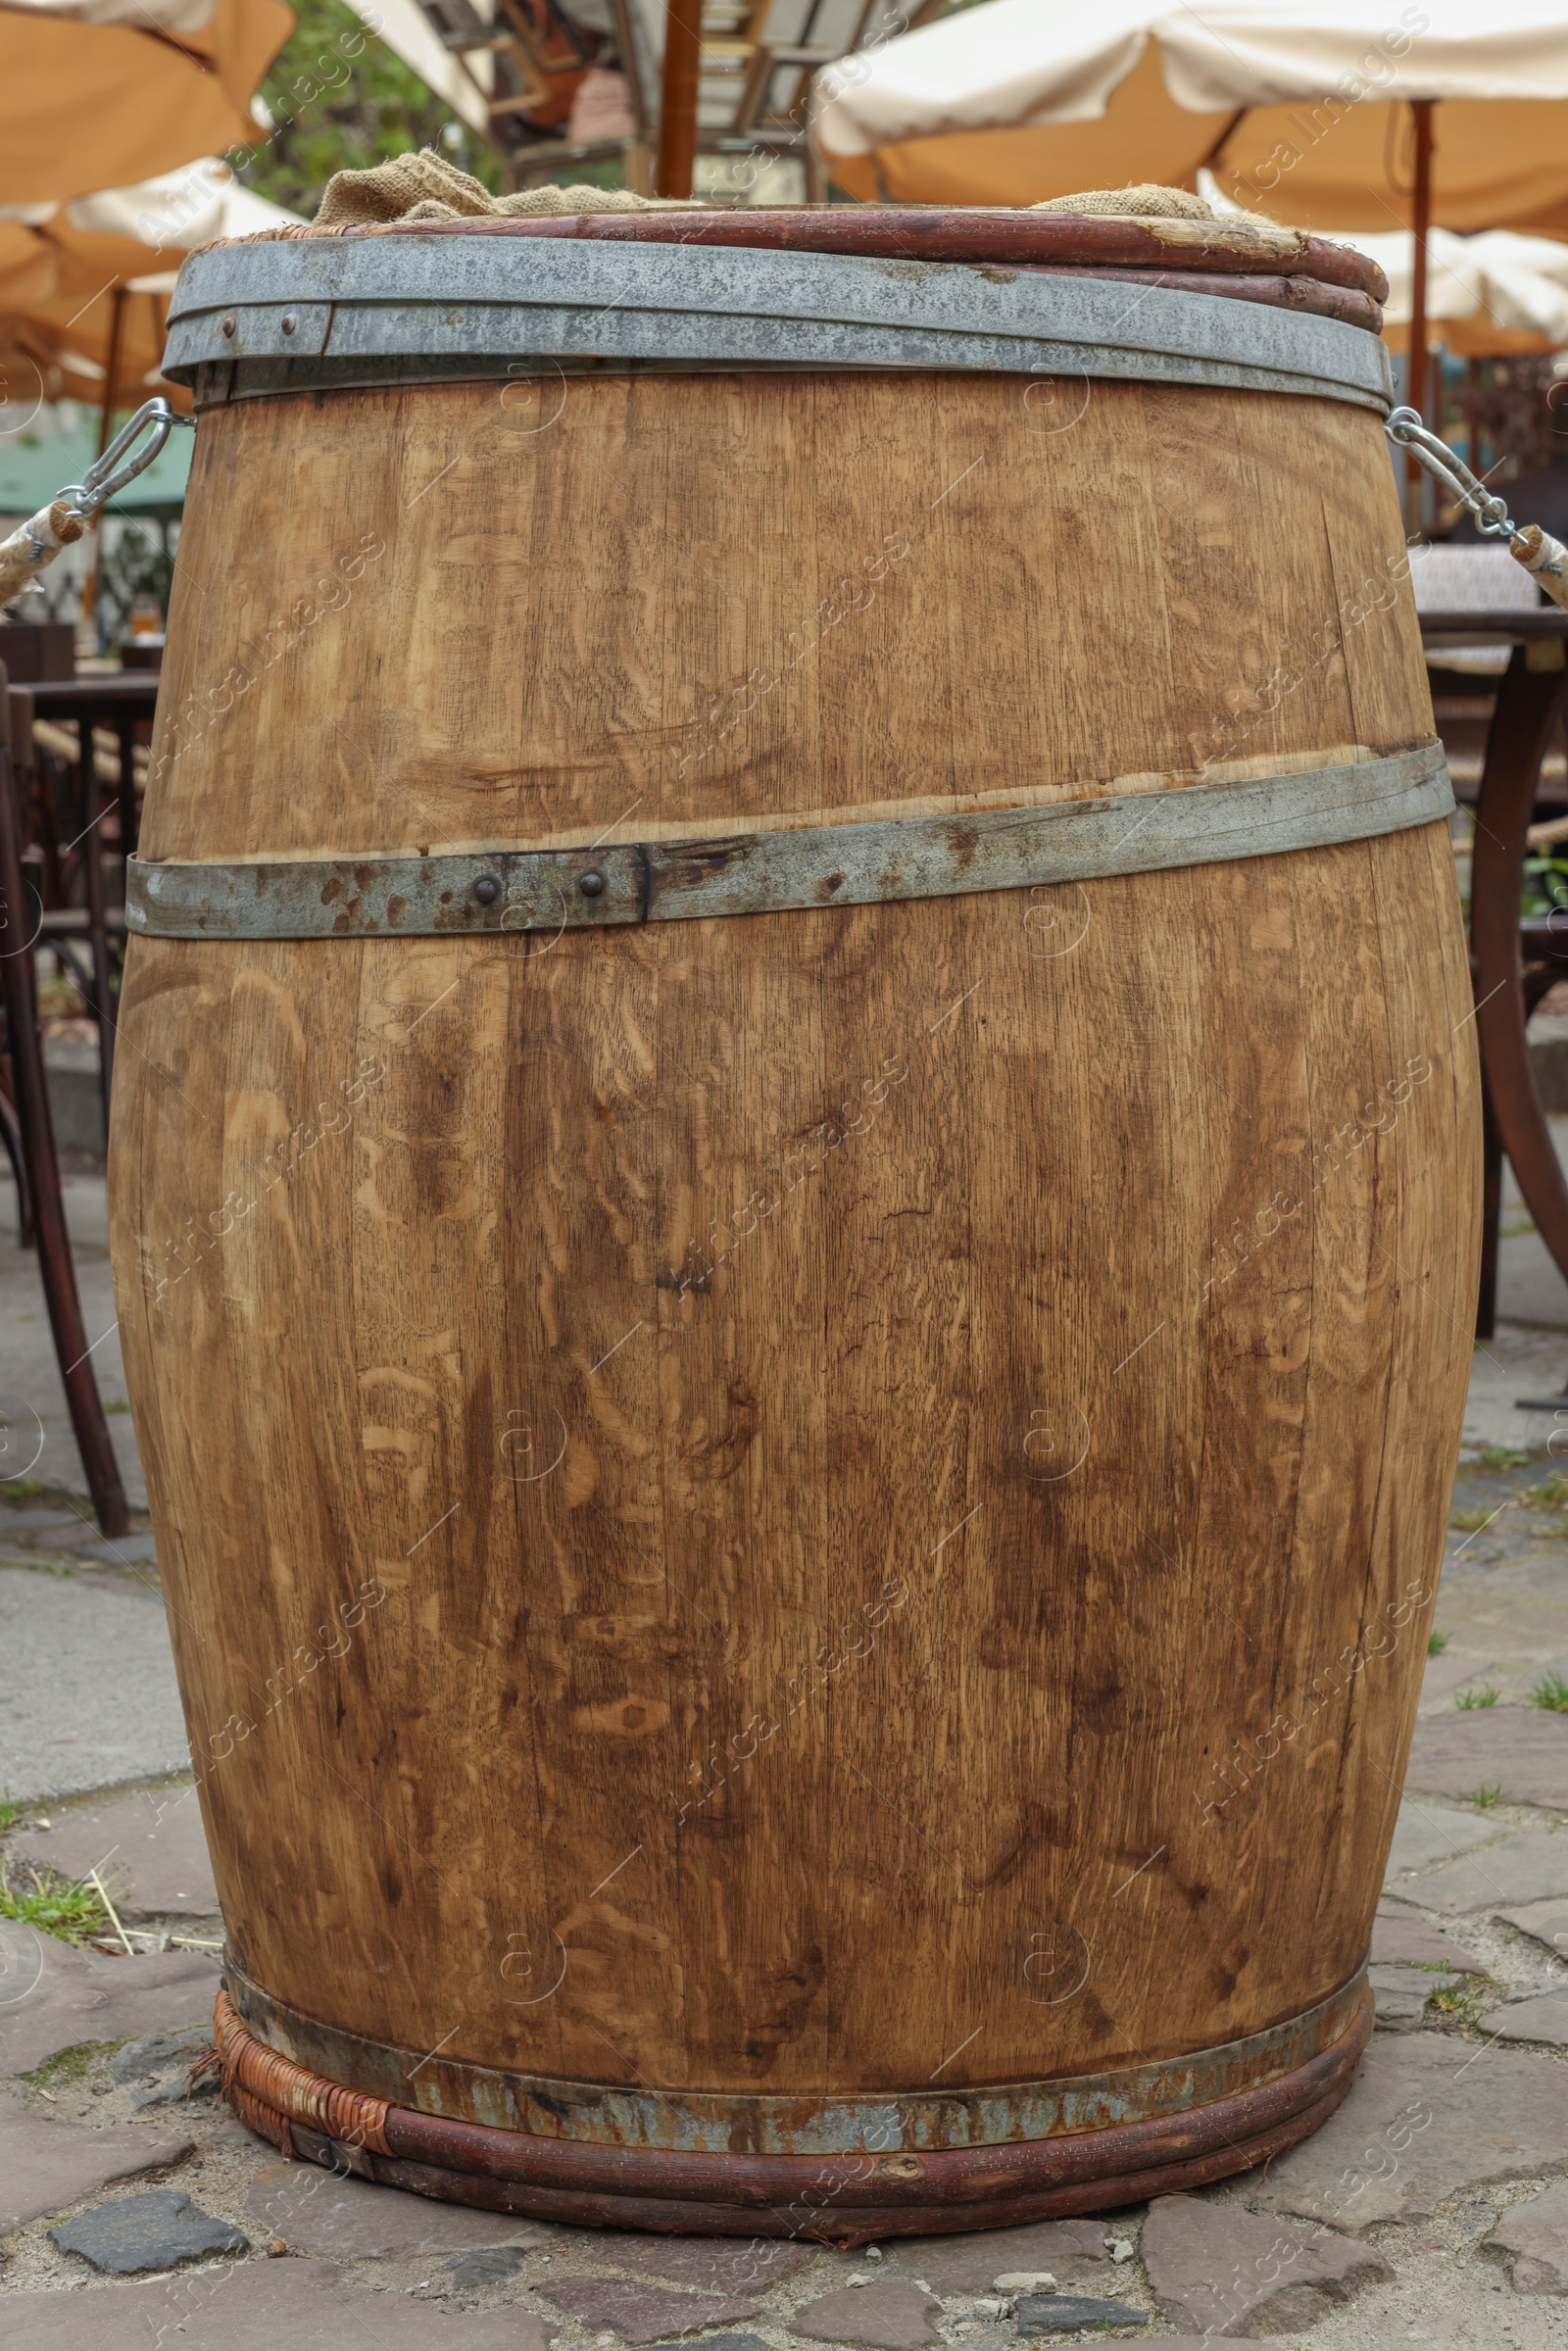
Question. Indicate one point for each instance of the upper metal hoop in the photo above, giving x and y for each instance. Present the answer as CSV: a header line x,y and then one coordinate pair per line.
x,y
303,313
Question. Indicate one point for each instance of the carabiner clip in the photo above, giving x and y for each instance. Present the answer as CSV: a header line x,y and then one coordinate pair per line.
x,y
106,479
1545,558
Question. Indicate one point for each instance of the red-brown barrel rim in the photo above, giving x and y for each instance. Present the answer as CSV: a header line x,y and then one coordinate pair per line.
x,y
921,233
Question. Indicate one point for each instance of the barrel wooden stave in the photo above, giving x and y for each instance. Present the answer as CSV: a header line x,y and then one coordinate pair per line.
x,y
498,1771
1128,593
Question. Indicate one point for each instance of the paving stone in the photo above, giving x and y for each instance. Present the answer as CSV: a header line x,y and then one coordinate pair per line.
x,y
723,2342
1428,2117
28,1522
725,2264
87,1690
1446,1674
124,1549
1547,1922
158,2053
893,2314
1537,2235
153,1846
1402,1938
157,2230
54,1996
1528,1867
47,2166
1520,1749
162,2065
1070,2314
318,2212
495,2264
642,2314
1224,2271
260,2306
1427,1834
1401,1995
1543,2019
1071,2250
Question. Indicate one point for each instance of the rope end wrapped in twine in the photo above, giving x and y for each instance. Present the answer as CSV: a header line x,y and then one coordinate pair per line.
x,y
34,548
1545,559
36,544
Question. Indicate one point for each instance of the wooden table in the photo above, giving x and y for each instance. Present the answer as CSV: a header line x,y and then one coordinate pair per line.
x,y
118,701
1530,699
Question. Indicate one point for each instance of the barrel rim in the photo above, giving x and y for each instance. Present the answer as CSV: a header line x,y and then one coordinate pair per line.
x,y
992,235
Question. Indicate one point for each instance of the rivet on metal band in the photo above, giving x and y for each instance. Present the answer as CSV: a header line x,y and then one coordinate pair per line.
x,y
815,866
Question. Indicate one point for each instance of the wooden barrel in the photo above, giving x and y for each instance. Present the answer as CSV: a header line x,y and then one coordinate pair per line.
x,y
795,1186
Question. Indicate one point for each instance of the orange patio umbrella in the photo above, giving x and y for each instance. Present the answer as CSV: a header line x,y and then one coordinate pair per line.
x,y
105,92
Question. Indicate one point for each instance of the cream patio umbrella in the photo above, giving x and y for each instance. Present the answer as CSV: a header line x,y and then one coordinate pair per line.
x,y
84,286
1492,296
96,91
1330,115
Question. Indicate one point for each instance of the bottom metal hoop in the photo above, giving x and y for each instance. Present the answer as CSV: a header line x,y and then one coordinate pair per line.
x,y
843,2200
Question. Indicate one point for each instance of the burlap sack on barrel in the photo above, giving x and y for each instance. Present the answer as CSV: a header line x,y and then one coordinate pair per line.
x,y
424,186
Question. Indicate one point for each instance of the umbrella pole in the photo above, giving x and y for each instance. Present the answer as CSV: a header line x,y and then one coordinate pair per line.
x,y
677,109
1418,386
106,421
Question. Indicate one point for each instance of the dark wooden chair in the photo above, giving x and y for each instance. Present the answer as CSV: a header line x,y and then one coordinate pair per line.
x,y
1513,962
27,1131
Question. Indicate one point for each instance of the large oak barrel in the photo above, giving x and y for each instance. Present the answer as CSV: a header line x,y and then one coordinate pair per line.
x,y
795,1188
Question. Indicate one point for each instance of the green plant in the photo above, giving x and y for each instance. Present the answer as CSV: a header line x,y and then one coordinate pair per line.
x,y
1553,1495
1545,885
1470,1700
1485,1797
1551,1693
1437,1642
10,1812
1461,1997
42,1899
1471,1522
22,1489
1502,1456
340,100
136,563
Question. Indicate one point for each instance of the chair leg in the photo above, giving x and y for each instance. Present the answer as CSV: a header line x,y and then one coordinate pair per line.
x,y
102,1001
1491,1213
59,1276
10,1137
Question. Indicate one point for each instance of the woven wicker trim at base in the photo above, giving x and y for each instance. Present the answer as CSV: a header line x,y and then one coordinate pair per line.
x,y
261,2085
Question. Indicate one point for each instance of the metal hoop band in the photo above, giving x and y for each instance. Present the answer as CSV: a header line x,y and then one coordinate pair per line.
x,y
767,872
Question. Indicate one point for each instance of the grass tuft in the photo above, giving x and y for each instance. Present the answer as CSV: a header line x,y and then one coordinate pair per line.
x,y
55,1905
1467,1700
1471,1522
1504,1457
1437,1642
1483,1797
1551,1693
